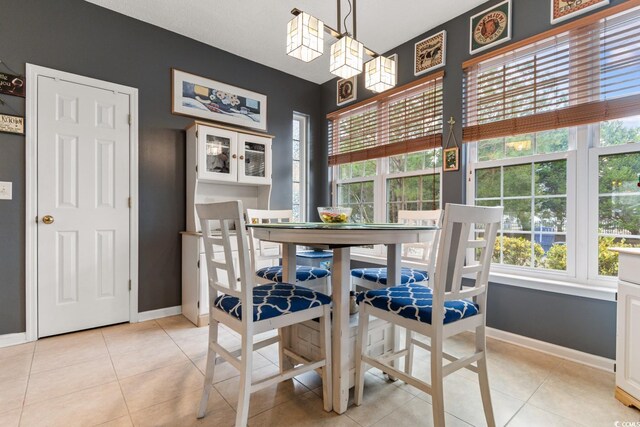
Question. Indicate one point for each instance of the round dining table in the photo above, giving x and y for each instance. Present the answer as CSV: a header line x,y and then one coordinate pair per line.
x,y
340,238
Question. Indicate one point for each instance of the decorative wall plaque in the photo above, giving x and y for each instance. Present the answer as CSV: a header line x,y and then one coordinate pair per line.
x,y
346,90
11,124
11,84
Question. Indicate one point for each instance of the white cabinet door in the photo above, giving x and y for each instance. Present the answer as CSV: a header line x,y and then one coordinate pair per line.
x,y
217,154
83,192
254,159
628,342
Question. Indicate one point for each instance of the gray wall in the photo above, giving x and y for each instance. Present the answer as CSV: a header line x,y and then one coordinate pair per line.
x,y
579,323
78,37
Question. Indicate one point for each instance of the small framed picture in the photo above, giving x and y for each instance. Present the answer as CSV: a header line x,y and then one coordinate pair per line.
x,y
490,27
450,159
430,53
565,9
346,90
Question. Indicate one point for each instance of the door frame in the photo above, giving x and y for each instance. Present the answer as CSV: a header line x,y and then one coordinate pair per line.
x,y
31,188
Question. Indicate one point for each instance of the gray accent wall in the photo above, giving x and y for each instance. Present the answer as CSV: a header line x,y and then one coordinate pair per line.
x,y
579,323
81,38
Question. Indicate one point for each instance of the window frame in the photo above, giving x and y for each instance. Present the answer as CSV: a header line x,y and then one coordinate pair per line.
x,y
303,121
582,221
380,192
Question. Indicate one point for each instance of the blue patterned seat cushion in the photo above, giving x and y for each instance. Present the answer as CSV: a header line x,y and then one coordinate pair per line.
x,y
303,273
274,299
415,302
379,275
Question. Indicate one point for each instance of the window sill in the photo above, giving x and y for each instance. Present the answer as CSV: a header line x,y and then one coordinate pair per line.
x,y
599,291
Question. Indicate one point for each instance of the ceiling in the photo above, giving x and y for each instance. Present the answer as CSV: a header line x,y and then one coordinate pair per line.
x,y
256,29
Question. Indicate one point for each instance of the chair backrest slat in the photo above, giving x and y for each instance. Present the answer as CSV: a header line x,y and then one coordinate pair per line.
x,y
265,252
455,241
223,223
426,251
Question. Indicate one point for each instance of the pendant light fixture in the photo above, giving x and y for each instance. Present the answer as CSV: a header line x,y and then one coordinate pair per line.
x,y
305,37
305,42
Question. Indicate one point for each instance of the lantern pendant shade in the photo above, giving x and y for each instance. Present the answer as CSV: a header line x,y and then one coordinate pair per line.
x,y
380,74
305,37
346,57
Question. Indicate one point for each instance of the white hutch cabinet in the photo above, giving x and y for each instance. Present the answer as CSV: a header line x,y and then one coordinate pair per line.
x,y
628,328
223,164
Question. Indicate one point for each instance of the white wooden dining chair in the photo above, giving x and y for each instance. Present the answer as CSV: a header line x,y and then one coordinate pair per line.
x,y
250,310
265,256
418,259
436,312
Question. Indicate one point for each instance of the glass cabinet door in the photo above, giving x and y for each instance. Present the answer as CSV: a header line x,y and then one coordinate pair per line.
x,y
217,154
254,161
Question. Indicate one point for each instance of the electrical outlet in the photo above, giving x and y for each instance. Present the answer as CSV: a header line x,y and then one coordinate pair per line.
x,y
5,191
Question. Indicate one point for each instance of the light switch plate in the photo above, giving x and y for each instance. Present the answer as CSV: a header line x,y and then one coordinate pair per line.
x,y
5,190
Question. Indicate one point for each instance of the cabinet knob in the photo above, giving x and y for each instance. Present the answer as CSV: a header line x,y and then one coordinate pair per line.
x,y
241,157
233,156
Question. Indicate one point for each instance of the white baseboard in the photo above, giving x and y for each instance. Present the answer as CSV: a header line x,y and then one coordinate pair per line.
x,y
161,312
13,339
592,360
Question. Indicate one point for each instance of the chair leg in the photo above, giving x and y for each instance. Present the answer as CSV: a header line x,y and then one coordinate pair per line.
x,y
483,377
408,359
361,349
325,342
246,368
437,384
211,365
283,361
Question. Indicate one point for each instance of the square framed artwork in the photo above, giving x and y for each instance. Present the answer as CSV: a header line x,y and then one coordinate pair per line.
x,y
346,90
450,159
197,96
430,53
564,9
490,27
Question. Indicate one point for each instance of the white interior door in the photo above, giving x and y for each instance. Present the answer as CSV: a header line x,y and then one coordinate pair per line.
x,y
83,206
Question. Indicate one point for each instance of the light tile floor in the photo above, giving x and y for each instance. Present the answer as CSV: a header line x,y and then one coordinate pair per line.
x,y
151,374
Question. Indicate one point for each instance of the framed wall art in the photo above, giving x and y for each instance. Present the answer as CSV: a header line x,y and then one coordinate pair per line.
x,y
430,53
451,159
197,96
490,27
565,9
346,90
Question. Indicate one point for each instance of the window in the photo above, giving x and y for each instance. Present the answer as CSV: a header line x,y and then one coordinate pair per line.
x,y
376,189
537,178
298,167
553,124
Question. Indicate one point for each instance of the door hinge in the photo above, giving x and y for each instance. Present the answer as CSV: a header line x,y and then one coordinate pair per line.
x,y
198,304
129,285
196,168
36,219
129,202
615,367
130,119
616,296
198,263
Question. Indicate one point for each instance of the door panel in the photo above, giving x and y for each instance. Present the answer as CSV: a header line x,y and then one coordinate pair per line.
x,y
83,185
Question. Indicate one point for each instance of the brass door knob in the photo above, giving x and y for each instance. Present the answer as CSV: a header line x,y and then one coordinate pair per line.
x,y
47,219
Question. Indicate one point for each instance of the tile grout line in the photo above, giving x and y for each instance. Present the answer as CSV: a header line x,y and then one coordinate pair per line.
x,y
24,398
534,392
117,379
